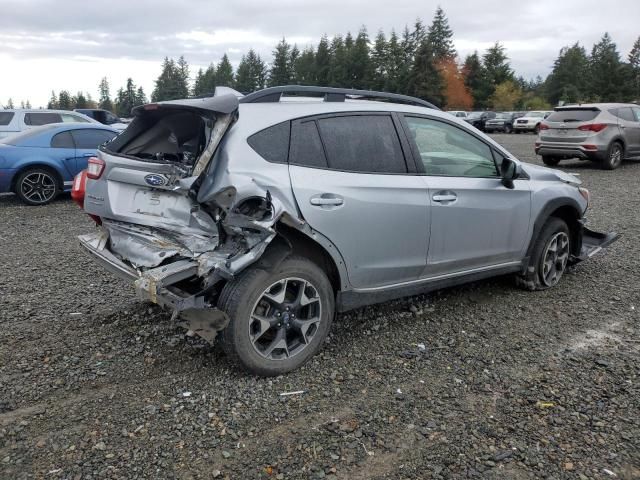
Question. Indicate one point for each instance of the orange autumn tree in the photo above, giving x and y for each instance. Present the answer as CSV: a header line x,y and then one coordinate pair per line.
x,y
456,93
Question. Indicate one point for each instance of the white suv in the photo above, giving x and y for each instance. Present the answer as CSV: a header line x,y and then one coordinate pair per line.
x,y
15,121
530,122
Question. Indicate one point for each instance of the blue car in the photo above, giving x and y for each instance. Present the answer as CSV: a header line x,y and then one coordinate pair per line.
x,y
40,163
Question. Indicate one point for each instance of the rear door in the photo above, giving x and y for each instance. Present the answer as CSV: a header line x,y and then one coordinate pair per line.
x,y
87,141
629,123
353,185
475,220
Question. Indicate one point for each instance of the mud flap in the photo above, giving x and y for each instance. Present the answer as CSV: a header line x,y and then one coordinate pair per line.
x,y
594,242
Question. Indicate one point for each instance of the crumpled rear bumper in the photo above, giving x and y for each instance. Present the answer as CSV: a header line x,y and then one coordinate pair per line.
x,y
593,242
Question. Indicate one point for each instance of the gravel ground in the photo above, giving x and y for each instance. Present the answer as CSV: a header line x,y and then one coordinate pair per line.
x,y
510,384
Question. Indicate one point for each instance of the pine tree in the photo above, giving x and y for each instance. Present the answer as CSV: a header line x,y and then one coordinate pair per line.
x,y
418,34
379,62
338,65
104,100
294,55
126,99
224,72
426,81
251,73
406,61
22,104
10,104
396,65
65,102
323,62
475,78
28,105
305,67
568,79
205,82
606,79
172,83
359,61
53,101
182,77
141,98
634,63
280,72
496,68
440,35
81,100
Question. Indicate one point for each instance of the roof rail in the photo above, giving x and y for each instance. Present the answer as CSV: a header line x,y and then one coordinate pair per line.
x,y
273,94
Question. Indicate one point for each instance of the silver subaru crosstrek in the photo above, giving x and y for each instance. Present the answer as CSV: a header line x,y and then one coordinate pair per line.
x,y
255,219
605,133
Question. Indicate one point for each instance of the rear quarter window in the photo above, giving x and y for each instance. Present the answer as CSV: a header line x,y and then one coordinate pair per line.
x,y
578,115
624,113
6,117
272,143
41,118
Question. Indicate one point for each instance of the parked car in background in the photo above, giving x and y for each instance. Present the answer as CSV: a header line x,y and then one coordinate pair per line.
x,y
502,123
606,133
479,119
457,113
16,121
104,116
252,218
530,121
41,162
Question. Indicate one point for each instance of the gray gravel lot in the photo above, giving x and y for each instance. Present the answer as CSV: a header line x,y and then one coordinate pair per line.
x,y
512,384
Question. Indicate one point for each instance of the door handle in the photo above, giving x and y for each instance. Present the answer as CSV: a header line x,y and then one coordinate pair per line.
x,y
446,197
326,200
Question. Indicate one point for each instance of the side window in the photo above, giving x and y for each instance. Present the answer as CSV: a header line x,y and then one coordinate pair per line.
x,y
306,146
362,143
5,118
41,118
626,113
62,140
110,118
70,118
636,113
91,138
272,143
446,150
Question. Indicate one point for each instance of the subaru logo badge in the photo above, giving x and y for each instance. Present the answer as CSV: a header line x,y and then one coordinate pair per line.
x,y
155,180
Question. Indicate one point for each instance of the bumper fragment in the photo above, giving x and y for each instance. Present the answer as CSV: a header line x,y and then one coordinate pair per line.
x,y
593,242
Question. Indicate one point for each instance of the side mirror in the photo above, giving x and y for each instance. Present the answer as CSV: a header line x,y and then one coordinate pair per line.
x,y
509,172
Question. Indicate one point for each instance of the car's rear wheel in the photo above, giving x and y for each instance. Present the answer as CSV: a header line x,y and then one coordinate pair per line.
x,y
615,154
37,186
536,130
550,161
278,319
549,257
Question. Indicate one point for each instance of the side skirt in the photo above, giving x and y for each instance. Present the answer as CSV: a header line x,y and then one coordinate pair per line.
x,y
350,300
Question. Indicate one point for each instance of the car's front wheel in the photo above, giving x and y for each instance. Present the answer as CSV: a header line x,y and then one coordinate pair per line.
x,y
278,319
549,257
37,186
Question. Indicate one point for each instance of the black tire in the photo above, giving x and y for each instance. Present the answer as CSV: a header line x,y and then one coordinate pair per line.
x,y
508,129
537,277
243,296
615,155
37,186
550,161
536,130
517,131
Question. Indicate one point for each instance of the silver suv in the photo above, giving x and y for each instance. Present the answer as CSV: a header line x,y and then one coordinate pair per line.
x,y
257,219
606,133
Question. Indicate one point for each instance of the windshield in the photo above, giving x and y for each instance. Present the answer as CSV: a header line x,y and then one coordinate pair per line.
x,y
534,114
475,114
503,116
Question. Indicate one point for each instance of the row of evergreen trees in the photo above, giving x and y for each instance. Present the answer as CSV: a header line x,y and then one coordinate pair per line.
x,y
422,62
127,98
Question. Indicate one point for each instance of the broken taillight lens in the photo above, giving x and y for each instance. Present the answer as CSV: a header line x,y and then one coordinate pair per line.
x,y
95,167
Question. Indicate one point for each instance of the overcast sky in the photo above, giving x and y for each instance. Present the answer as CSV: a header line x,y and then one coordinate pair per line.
x,y
71,44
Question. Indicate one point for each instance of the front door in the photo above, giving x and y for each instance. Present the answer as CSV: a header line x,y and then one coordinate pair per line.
x,y
475,220
352,185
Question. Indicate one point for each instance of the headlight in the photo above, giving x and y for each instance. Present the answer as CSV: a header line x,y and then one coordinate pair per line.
x,y
586,195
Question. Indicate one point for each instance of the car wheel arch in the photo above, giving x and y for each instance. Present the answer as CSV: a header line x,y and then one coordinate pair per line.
x,y
32,166
568,210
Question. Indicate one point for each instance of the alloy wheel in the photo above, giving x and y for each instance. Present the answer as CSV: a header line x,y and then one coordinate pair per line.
x,y
554,259
38,187
285,318
615,155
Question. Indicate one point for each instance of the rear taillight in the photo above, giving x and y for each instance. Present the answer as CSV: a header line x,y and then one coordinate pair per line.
x,y
78,192
593,127
79,188
95,167
544,126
